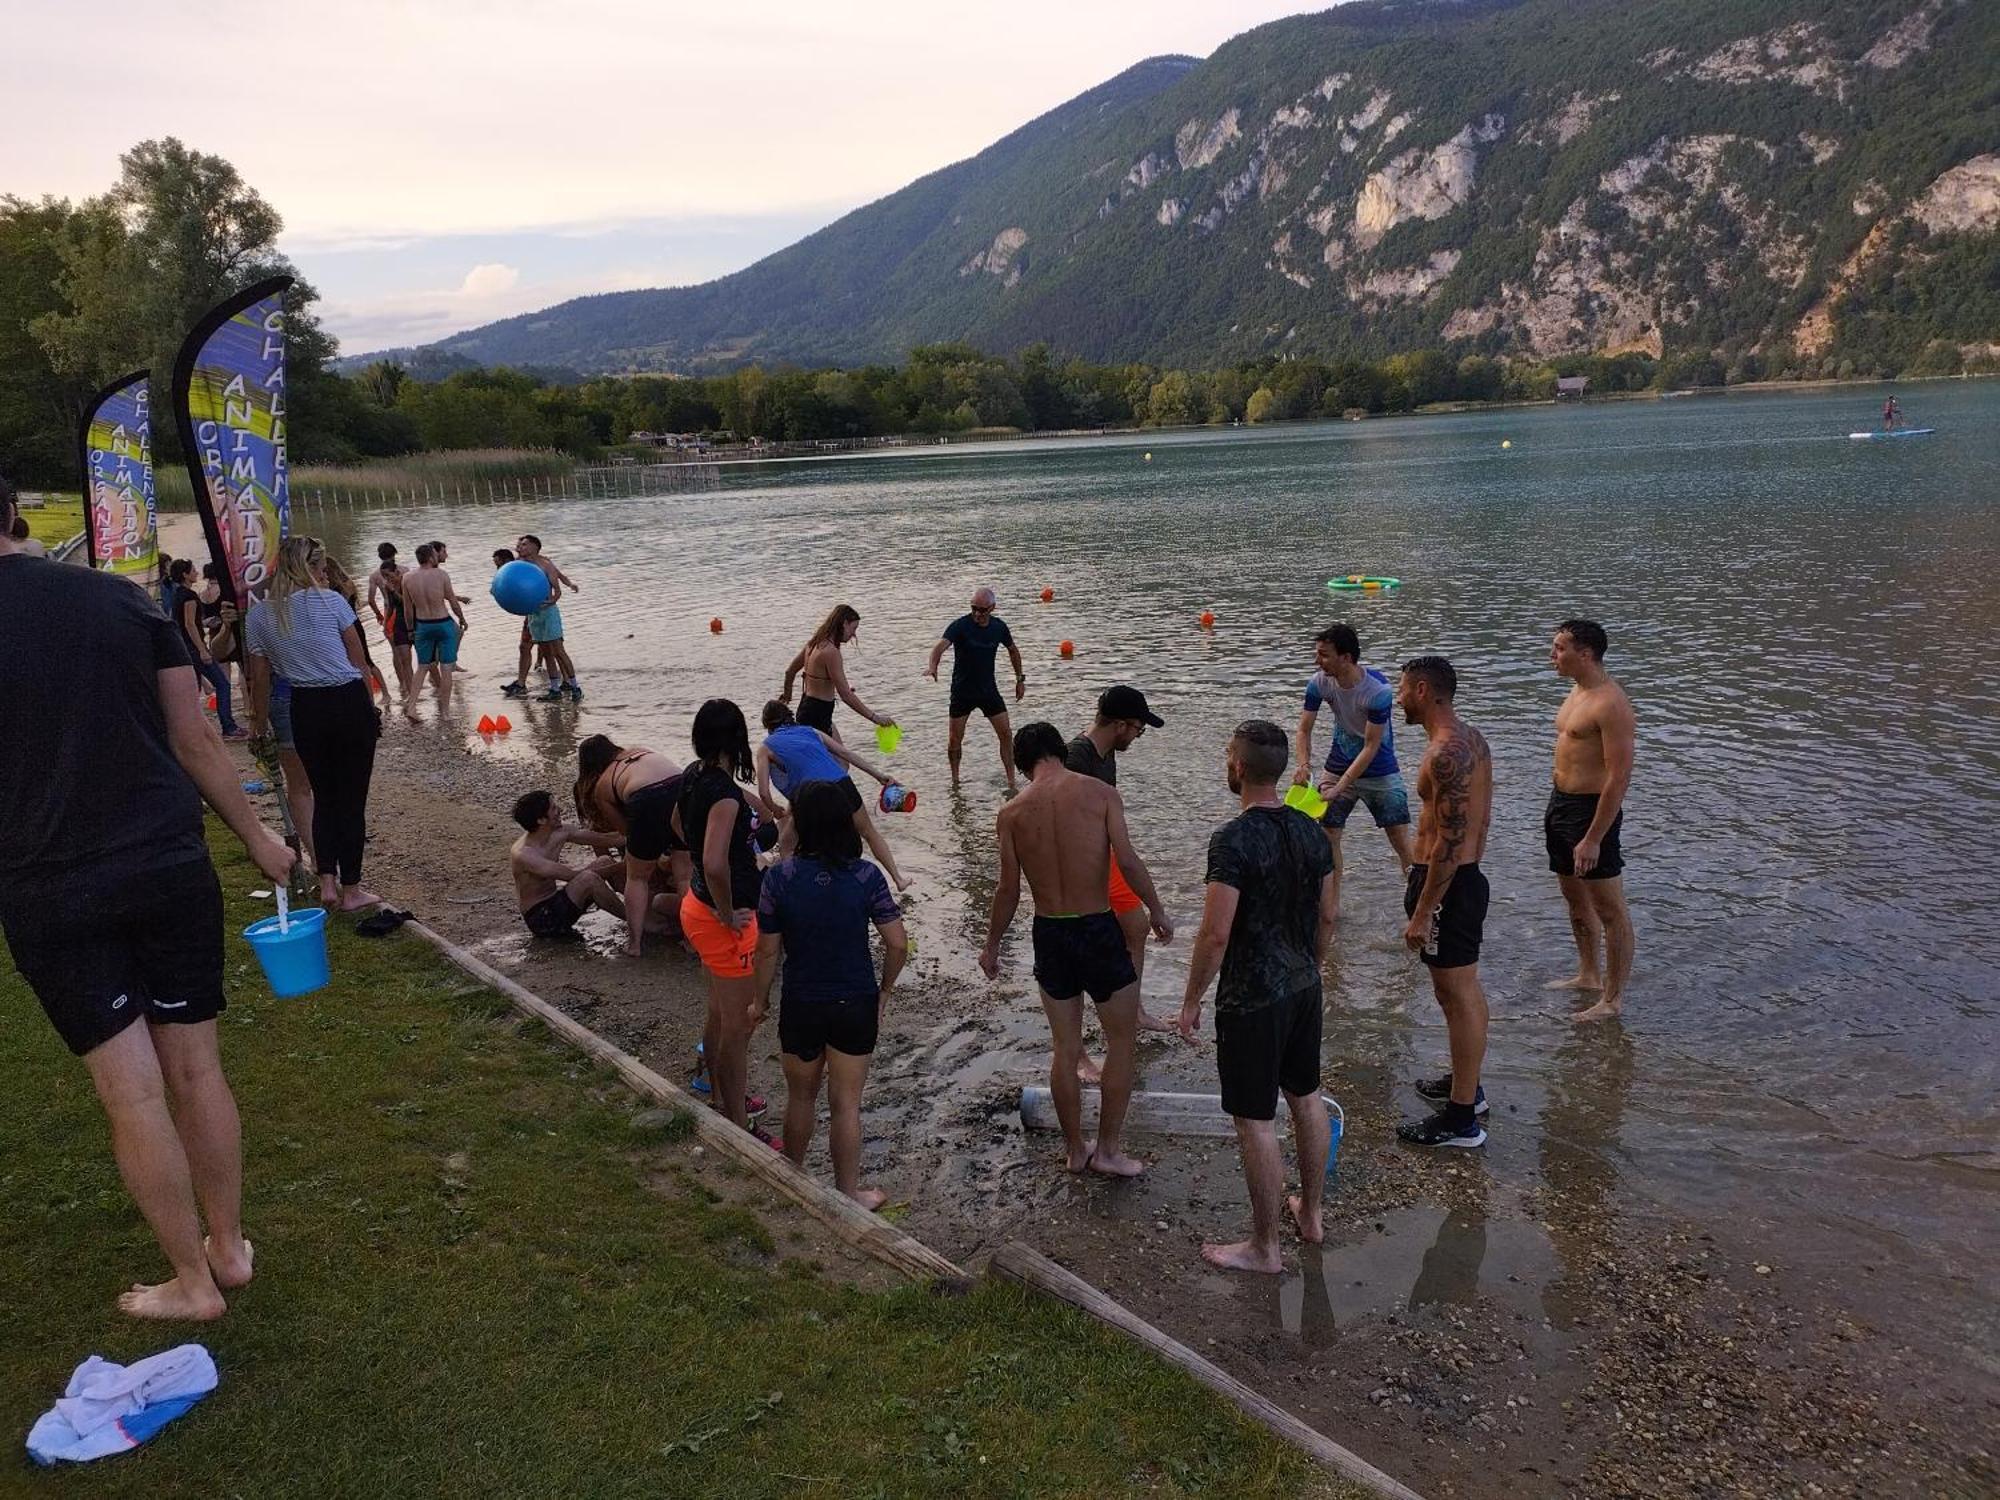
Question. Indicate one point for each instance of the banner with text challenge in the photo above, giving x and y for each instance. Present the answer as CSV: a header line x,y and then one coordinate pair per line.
x,y
120,520
229,398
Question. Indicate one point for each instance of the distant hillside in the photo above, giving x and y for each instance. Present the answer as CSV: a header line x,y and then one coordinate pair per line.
x,y
1820,177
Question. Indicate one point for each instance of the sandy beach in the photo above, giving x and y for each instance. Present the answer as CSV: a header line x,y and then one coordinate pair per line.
x,y
1474,1336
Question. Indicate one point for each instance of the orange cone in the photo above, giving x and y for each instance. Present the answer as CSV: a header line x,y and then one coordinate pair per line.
x,y
1066,649
501,725
485,724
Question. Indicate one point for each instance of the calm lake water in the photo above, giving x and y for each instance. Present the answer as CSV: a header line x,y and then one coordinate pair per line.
x,y
1804,624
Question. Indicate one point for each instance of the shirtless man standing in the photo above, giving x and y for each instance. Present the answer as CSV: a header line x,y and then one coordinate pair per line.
x,y
1446,895
553,894
1595,731
1064,832
432,604
545,627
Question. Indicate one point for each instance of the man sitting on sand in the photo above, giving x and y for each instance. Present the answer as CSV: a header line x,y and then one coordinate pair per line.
x,y
1264,928
555,894
1064,831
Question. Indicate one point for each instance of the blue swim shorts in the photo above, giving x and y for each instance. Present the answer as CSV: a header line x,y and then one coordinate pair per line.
x,y
1387,802
545,624
436,641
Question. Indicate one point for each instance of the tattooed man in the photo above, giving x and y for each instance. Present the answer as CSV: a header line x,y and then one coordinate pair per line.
x,y
1446,895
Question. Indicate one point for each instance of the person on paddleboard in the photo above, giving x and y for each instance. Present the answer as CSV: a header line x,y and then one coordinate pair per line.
x,y
1891,414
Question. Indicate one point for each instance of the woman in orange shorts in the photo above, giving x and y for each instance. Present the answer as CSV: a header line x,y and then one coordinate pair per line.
x,y
719,911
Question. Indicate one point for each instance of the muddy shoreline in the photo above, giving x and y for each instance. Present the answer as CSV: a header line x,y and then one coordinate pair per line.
x,y
1523,1322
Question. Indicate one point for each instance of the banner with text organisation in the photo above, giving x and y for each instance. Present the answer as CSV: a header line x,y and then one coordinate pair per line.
x,y
229,398
120,517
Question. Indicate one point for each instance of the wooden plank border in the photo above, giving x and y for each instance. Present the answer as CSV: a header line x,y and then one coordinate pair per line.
x,y
849,1221
1016,1262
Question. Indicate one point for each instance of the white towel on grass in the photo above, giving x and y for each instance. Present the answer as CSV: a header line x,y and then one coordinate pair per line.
x,y
109,1408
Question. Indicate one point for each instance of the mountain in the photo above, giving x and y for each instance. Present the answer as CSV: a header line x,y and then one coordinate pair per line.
x,y
1497,176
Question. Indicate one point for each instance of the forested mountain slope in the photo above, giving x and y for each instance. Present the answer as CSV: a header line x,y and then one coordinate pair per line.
x,y
1807,185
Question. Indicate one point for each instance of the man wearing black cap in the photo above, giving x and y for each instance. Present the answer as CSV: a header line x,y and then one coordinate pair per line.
x,y
1122,716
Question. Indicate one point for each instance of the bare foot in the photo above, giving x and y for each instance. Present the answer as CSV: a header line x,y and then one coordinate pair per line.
x,y
869,1198
233,1270
357,899
173,1300
1244,1256
1604,1010
1150,1022
1576,982
1310,1229
1114,1164
1089,1070
1080,1158
902,882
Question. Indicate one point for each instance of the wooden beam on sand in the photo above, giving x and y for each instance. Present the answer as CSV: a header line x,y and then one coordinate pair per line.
x,y
1016,1262
850,1222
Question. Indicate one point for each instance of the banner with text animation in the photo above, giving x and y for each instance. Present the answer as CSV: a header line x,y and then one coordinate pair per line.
x,y
229,398
120,518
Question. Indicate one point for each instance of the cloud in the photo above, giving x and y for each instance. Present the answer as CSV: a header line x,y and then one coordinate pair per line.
x,y
488,280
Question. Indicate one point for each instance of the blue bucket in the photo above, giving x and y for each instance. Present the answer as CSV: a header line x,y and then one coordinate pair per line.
x,y
1336,1121
295,960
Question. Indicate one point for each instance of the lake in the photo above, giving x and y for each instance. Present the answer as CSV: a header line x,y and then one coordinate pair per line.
x,y
1804,624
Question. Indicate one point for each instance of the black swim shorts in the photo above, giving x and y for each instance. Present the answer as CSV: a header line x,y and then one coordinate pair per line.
x,y
1565,824
817,713
552,916
985,699
649,820
1459,923
807,1028
1082,955
1258,1052
136,944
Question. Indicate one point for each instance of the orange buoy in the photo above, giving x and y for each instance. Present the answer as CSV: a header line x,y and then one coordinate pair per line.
x,y
715,627
1208,619
1066,649
1048,596
501,726
485,724
211,703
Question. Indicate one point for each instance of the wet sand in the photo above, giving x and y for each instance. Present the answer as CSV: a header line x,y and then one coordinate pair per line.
x,y
1515,1321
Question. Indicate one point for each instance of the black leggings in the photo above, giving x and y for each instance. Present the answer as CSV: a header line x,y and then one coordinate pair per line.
x,y
335,729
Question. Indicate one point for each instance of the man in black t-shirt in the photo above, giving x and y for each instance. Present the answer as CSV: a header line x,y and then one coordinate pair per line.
x,y
975,640
110,907
1264,927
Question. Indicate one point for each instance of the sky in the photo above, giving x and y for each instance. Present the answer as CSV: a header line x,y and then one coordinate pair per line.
x,y
442,163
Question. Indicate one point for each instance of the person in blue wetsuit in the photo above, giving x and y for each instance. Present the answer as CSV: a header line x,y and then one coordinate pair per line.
x,y
1361,762
794,755
817,908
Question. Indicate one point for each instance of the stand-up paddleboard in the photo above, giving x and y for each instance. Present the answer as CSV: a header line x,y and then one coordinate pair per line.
x,y
1892,432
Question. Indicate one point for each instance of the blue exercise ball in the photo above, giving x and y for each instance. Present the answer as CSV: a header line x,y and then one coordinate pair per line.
x,y
520,588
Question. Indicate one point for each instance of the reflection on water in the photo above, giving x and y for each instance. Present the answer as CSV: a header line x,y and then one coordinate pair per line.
x,y
1804,624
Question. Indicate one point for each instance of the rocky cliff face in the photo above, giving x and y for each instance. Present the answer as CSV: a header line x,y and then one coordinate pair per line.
x,y
1536,177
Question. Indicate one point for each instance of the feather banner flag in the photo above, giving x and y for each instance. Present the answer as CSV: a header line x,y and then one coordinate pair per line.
x,y
120,516
229,397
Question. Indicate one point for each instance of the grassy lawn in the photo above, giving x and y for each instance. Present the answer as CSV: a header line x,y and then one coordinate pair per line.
x,y
471,1281
57,521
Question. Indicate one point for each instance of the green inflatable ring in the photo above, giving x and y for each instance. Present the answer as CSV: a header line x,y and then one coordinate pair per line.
x,y
1355,582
